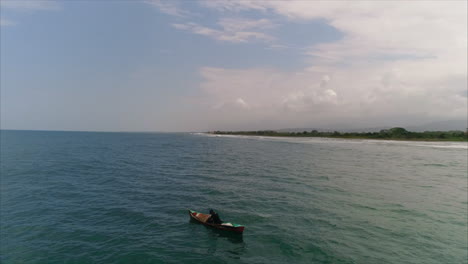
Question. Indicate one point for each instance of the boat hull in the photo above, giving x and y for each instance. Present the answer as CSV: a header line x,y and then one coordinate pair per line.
x,y
202,218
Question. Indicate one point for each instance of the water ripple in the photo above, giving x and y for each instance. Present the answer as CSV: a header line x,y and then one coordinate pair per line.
x,y
123,198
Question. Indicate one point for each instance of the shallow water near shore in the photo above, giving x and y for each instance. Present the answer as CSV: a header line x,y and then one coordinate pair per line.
x,y
85,197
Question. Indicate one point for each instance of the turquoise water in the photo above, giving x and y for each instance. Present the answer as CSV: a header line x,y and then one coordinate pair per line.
x,y
78,197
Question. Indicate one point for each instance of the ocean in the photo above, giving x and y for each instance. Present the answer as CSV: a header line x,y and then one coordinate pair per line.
x,y
90,197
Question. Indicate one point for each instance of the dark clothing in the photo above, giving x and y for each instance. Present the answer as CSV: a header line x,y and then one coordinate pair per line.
x,y
214,219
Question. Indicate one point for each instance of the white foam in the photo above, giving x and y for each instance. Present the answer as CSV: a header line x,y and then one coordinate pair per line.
x,y
322,140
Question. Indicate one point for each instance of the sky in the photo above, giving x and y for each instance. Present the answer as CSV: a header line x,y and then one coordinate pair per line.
x,y
173,65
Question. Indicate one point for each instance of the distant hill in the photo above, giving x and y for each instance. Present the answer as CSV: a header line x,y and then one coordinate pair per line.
x,y
357,130
441,126
301,129
448,125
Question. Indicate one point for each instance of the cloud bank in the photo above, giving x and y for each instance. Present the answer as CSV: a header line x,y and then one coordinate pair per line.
x,y
396,61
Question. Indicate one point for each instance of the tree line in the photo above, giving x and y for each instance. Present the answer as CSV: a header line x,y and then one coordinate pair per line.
x,y
397,133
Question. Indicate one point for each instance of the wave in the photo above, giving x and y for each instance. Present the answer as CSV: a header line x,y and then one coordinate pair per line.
x,y
445,145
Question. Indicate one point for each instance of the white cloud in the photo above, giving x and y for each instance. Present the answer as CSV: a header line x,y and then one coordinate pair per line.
x,y
400,60
241,24
228,5
298,98
240,102
169,7
236,30
376,29
6,22
25,5
30,5
267,89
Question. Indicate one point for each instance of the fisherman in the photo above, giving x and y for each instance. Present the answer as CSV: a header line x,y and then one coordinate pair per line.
x,y
214,218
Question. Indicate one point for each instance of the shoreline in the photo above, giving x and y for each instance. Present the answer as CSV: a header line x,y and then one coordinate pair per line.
x,y
339,137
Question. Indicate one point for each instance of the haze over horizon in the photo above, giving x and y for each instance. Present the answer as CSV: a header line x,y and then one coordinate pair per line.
x,y
231,65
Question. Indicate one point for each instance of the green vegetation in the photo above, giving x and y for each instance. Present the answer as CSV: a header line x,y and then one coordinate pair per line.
x,y
396,133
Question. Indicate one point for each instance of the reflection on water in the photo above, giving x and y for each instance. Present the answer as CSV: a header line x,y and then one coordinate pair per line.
x,y
235,238
230,236
222,242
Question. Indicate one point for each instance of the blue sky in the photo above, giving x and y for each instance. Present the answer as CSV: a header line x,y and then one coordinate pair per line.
x,y
202,65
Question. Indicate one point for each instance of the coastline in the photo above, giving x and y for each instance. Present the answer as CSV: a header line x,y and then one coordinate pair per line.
x,y
338,137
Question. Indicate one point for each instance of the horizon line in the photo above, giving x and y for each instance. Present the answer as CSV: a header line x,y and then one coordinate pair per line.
x,y
95,131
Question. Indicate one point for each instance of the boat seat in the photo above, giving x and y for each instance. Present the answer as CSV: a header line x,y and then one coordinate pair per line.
x,y
202,217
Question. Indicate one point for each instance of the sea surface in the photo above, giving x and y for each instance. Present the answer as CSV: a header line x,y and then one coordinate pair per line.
x,y
85,197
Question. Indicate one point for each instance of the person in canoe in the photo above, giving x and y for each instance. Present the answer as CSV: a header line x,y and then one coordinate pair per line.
x,y
214,218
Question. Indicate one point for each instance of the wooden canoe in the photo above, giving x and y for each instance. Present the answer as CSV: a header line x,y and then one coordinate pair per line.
x,y
202,218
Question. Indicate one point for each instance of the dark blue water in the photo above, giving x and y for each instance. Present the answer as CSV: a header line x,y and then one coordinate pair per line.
x,y
77,197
